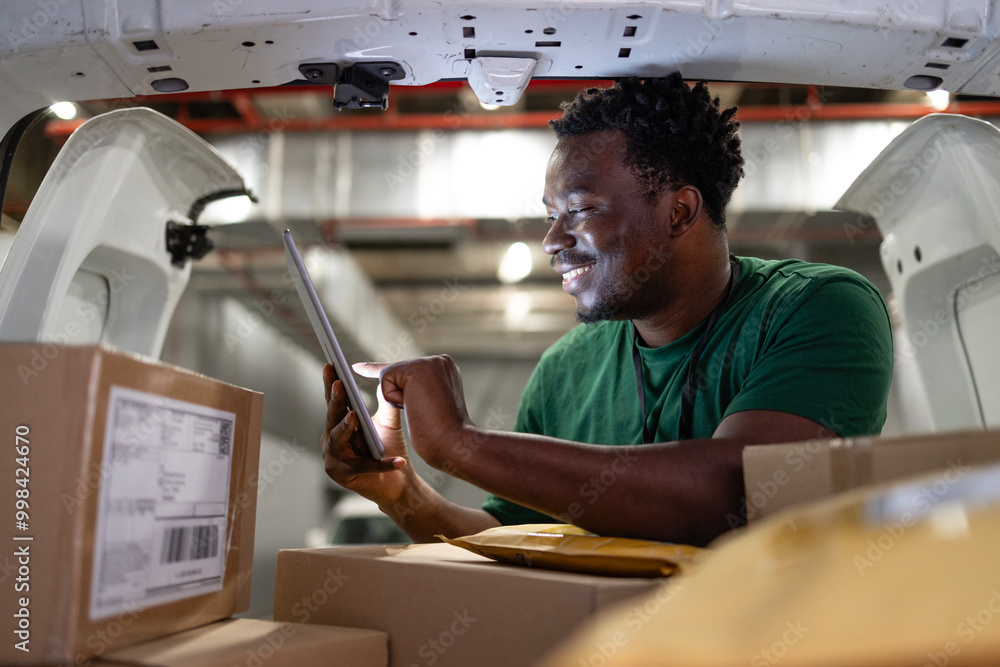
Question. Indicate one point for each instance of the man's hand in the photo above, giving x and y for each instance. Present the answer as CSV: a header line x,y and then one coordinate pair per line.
x,y
345,454
430,390
397,489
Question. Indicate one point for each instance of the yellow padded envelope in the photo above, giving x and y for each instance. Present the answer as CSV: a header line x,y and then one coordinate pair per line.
x,y
570,548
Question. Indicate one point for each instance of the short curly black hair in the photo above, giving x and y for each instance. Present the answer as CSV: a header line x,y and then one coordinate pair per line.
x,y
675,135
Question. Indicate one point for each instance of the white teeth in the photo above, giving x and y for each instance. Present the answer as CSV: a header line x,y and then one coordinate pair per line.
x,y
569,275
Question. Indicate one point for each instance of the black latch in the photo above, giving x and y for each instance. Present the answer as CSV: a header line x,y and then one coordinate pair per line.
x,y
359,86
184,241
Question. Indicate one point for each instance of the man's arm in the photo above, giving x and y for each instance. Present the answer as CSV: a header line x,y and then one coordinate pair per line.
x,y
675,492
679,492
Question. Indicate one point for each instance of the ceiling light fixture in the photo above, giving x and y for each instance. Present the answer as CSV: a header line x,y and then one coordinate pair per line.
x,y
65,110
939,99
516,263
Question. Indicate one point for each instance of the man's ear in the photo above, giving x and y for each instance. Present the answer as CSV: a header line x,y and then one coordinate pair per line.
x,y
682,208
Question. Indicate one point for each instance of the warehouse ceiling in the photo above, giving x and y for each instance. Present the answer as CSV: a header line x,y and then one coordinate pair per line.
x,y
438,274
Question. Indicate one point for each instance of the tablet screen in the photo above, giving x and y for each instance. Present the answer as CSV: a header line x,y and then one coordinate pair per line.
x,y
328,341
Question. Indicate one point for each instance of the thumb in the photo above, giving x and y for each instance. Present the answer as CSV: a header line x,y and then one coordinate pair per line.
x,y
388,414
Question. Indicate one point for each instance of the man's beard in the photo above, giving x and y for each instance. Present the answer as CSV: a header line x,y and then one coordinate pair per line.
x,y
636,296
623,301
602,312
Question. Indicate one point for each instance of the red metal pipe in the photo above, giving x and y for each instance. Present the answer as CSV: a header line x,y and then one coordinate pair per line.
x,y
60,129
243,103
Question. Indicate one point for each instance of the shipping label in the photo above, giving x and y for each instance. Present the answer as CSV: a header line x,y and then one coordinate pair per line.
x,y
162,521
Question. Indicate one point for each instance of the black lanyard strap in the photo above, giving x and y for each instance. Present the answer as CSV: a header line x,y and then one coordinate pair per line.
x,y
685,422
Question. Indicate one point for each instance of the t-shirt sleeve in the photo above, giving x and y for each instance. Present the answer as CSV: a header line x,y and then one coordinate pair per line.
x,y
827,356
529,420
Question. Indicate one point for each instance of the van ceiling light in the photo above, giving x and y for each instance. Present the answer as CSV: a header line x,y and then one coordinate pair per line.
x,y
516,263
500,81
65,110
939,99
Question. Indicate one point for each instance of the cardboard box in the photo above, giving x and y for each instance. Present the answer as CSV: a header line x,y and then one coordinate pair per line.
x,y
138,507
777,476
443,605
255,643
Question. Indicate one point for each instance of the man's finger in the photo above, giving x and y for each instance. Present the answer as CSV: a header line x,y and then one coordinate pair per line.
x,y
367,466
338,428
368,369
327,381
337,407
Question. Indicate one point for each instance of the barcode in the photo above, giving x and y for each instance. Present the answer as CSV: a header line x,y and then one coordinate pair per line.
x,y
190,543
225,436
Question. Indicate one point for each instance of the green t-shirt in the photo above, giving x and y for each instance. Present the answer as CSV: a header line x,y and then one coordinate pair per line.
x,y
808,339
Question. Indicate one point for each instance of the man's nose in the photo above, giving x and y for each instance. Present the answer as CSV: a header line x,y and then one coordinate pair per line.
x,y
557,238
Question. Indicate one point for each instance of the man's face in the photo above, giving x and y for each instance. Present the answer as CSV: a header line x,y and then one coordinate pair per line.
x,y
605,238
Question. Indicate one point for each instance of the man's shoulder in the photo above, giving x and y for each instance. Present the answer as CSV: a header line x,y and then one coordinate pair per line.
x,y
784,291
794,276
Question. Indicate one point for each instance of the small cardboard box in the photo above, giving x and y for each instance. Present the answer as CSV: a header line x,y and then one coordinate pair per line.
x,y
130,502
777,476
255,643
442,605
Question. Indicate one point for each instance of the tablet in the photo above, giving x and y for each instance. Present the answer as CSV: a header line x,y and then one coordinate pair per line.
x,y
331,348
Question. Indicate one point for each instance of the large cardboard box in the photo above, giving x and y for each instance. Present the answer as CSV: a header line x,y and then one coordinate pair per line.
x,y
255,643
442,605
129,500
777,476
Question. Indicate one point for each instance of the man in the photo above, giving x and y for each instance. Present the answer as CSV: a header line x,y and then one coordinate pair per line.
x,y
683,346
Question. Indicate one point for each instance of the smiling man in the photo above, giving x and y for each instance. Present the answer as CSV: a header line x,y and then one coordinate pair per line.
x,y
634,423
